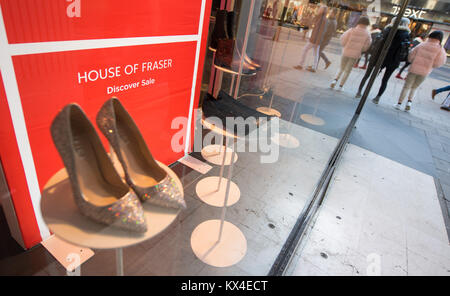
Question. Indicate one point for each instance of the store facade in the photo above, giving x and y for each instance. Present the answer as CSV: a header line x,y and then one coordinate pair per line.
x,y
233,99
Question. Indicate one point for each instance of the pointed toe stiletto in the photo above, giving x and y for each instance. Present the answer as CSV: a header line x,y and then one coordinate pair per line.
x,y
98,190
151,183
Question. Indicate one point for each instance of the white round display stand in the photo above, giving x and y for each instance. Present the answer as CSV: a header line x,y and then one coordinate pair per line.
x,y
63,218
214,154
312,119
286,140
269,111
209,191
223,252
217,129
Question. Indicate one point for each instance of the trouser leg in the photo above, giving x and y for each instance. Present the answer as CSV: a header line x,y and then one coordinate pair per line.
x,y
415,84
306,49
387,74
404,67
366,76
445,88
366,58
348,69
316,49
323,56
342,67
406,87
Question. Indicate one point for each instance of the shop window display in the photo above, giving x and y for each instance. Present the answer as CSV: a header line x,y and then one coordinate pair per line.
x,y
194,153
301,88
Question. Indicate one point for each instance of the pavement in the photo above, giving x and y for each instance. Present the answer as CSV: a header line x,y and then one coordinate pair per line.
x,y
379,218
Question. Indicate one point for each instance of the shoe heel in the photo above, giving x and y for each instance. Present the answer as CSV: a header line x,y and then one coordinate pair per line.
x,y
142,172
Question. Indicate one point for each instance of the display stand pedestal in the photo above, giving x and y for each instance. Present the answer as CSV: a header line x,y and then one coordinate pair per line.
x,y
312,119
64,219
216,129
227,251
119,262
269,110
287,140
215,83
213,191
229,246
215,154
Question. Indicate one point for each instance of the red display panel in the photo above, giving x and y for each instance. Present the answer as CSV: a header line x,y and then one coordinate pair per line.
x,y
58,20
88,73
15,176
152,81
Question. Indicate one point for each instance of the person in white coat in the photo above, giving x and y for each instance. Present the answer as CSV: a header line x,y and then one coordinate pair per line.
x,y
423,58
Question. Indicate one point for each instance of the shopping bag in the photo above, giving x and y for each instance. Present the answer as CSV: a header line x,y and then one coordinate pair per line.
x,y
446,103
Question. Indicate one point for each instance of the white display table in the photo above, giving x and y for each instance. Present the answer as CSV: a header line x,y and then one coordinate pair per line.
x,y
63,218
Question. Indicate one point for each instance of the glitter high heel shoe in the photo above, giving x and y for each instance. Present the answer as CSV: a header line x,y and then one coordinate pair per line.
x,y
142,172
98,190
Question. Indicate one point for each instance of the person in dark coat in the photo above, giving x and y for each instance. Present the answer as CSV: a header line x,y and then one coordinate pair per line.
x,y
329,32
374,33
415,42
391,61
320,21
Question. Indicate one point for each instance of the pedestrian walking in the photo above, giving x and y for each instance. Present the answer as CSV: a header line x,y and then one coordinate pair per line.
x,y
374,33
436,91
329,32
275,11
392,59
306,22
423,59
320,21
355,41
416,41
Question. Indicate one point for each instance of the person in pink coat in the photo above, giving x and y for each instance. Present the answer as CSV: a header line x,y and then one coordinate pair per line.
x,y
355,41
423,58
